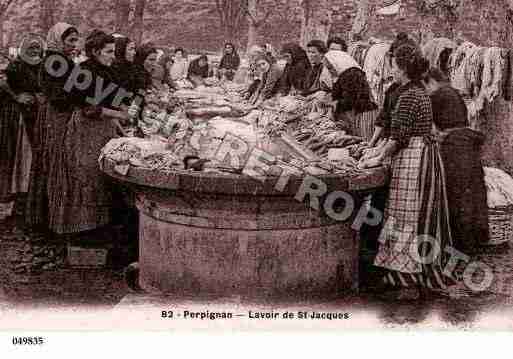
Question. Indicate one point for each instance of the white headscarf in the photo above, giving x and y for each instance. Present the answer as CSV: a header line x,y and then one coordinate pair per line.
x,y
54,39
341,61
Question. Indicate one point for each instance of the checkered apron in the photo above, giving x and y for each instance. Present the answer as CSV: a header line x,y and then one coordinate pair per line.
x,y
402,211
417,204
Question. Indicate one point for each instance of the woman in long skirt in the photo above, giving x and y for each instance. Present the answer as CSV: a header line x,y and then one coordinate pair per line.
x,y
19,110
50,128
416,231
460,148
86,200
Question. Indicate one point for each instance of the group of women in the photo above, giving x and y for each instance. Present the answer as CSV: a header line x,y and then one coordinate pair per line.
x,y
436,198
179,72
68,194
68,124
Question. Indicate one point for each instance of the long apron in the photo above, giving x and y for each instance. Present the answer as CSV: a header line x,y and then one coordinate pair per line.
x,y
83,200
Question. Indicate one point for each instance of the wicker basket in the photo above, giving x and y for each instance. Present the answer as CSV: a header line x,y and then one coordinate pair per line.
x,y
500,221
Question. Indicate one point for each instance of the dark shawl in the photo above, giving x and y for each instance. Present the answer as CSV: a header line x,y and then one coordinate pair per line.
x,y
142,78
23,77
98,71
449,109
196,70
312,81
352,92
230,61
269,85
294,74
460,150
52,86
123,69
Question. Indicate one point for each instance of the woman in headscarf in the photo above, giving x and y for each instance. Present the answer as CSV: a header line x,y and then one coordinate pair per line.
x,y
254,76
198,71
123,66
85,200
230,62
124,212
17,117
460,148
417,232
145,61
178,71
50,129
349,87
295,72
269,85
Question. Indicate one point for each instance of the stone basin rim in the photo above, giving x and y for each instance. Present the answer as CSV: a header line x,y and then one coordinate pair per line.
x,y
227,183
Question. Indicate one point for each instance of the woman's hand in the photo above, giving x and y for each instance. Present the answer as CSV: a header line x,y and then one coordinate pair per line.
x,y
25,99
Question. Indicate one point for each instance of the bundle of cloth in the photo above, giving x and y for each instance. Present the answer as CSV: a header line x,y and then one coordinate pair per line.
x,y
434,49
478,74
499,187
378,70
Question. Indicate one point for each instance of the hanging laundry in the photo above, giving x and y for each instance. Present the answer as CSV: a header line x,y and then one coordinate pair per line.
x,y
389,7
457,66
378,70
433,49
492,76
474,71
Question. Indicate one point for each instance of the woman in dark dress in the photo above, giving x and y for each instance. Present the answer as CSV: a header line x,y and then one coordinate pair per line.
x,y
295,73
17,117
269,85
460,148
198,70
349,88
86,198
50,128
145,61
123,66
230,62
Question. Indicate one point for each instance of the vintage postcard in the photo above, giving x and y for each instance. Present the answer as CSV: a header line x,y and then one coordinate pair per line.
x,y
257,165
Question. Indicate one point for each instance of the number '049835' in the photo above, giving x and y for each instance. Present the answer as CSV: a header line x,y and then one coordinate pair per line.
x,y
27,341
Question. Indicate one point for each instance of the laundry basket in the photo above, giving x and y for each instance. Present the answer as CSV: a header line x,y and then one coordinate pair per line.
x,y
500,222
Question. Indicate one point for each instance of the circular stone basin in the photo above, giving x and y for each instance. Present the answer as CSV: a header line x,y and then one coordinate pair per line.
x,y
215,234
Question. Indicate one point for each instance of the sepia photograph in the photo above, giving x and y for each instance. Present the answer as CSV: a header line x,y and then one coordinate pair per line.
x,y
255,165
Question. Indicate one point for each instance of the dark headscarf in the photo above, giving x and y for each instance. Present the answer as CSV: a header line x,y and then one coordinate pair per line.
x,y
196,70
122,68
57,34
230,61
142,77
121,46
297,52
294,74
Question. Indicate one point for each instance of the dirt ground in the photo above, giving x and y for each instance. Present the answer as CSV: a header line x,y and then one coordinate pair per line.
x,y
34,273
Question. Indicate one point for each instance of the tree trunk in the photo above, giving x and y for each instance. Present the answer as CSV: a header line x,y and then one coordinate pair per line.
x,y
316,20
2,40
252,24
361,21
122,17
47,15
138,27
